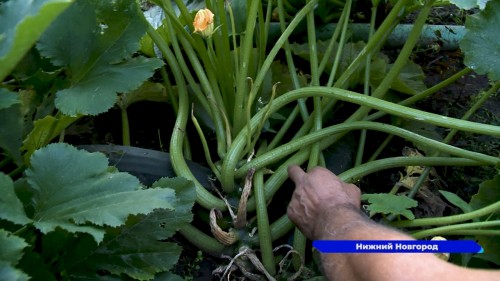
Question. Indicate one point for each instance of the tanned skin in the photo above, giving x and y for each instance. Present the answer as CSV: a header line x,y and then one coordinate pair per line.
x,y
326,208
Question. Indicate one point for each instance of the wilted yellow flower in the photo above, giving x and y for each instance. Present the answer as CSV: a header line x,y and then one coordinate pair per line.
x,y
443,256
204,22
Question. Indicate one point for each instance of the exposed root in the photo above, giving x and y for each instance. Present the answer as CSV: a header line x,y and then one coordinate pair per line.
x,y
241,262
247,262
282,262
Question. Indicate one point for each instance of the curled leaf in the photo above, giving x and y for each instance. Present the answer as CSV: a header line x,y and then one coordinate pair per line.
x,y
226,238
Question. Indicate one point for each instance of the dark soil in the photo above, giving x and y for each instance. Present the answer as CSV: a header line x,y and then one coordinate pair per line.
x,y
454,101
448,15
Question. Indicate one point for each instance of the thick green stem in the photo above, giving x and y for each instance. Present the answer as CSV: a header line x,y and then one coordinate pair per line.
x,y
176,151
283,225
404,54
445,229
125,127
423,176
313,52
286,149
426,93
299,239
474,232
299,245
233,37
490,209
318,120
241,81
340,47
233,156
356,173
334,37
264,232
371,45
366,87
398,64
227,181
202,241
280,175
213,102
223,54
291,64
279,228
203,197
266,65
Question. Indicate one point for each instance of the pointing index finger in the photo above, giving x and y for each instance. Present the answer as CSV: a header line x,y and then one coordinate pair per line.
x,y
295,173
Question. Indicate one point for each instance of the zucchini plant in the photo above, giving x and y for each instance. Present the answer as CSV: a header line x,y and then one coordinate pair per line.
x,y
74,217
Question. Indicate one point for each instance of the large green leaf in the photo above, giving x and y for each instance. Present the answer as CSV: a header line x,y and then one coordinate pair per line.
x,y
21,24
12,251
139,249
11,208
73,187
95,40
480,43
488,193
390,204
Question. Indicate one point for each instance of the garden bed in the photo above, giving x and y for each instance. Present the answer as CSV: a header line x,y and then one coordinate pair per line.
x,y
216,115
451,101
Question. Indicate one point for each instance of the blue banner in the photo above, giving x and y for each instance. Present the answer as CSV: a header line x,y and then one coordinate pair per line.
x,y
397,246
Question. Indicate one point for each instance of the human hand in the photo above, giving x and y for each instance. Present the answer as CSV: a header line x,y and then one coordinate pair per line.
x,y
319,193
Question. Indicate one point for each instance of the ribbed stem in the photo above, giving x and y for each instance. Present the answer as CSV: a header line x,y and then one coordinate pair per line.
x,y
203,197
443,230
490,209
264,232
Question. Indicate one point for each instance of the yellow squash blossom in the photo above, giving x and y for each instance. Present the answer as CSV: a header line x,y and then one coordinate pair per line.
x,y
204,22
443,256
